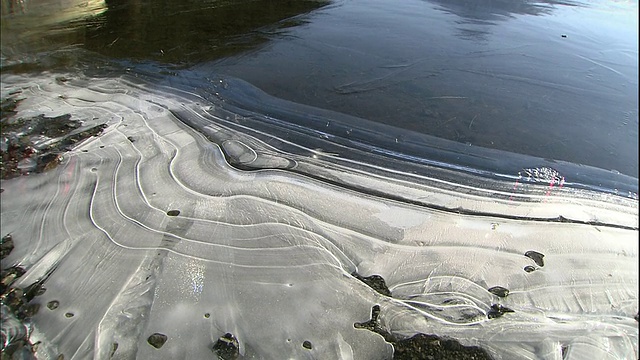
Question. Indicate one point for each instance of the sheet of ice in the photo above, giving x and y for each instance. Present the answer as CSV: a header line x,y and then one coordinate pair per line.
x,y
195,216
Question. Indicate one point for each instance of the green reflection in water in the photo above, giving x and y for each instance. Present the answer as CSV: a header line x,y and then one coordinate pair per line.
x,y
169,31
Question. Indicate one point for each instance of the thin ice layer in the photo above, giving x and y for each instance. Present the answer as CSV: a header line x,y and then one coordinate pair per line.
x,y
267,253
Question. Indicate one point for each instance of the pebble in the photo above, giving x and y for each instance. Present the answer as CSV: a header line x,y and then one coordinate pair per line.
x,y
227,347
157,340
499,291
535,256
173,212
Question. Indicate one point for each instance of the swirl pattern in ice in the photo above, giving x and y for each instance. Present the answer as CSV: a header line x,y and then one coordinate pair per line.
x,y
212,214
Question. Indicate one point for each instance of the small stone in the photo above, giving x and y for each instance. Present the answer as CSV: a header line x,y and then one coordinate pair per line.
x,y
207,315
173,212
52,305
227,347
307,345
535,256
529,268
9,276
114,347
499,291
131,138
376,282
6,246
69,315
497,311
157,340
29,310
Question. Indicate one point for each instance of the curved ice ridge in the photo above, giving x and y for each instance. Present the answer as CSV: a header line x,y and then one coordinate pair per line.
x,y
385,145
272,222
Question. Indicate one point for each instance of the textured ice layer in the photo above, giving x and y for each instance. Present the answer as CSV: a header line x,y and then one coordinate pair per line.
x,y
193,218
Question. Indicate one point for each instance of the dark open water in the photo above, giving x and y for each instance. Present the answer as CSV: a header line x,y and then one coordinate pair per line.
x,y
552,79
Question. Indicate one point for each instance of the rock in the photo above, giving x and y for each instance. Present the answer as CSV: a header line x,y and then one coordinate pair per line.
x,y
497,311
173,212
535,256
499,291
227,347
423,346
6,245
376,282
52,305
157,340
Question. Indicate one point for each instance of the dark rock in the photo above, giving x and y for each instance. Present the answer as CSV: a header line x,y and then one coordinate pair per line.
x,y
535,256
23,154
157,340
114,347
529,268
227,347
497,311
376,282
13,298
33,290
9,276
374,325
28,310
499,291
423,347
173,212
6,246
307,345
8,107
52,305
69,315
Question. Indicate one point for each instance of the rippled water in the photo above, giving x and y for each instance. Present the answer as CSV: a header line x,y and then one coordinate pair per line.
x,y
206,206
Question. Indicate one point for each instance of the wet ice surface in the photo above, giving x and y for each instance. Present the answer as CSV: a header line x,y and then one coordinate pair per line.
x,y
194,216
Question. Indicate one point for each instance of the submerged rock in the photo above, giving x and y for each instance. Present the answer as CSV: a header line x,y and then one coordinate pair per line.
x,y
499,291
227,347
6,246
431,347
376,282
35,144
422,346
497,311
535,256
157,340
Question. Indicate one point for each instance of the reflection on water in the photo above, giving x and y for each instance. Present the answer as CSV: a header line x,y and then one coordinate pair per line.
x,y
185,32
501,10
31,25
178,32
